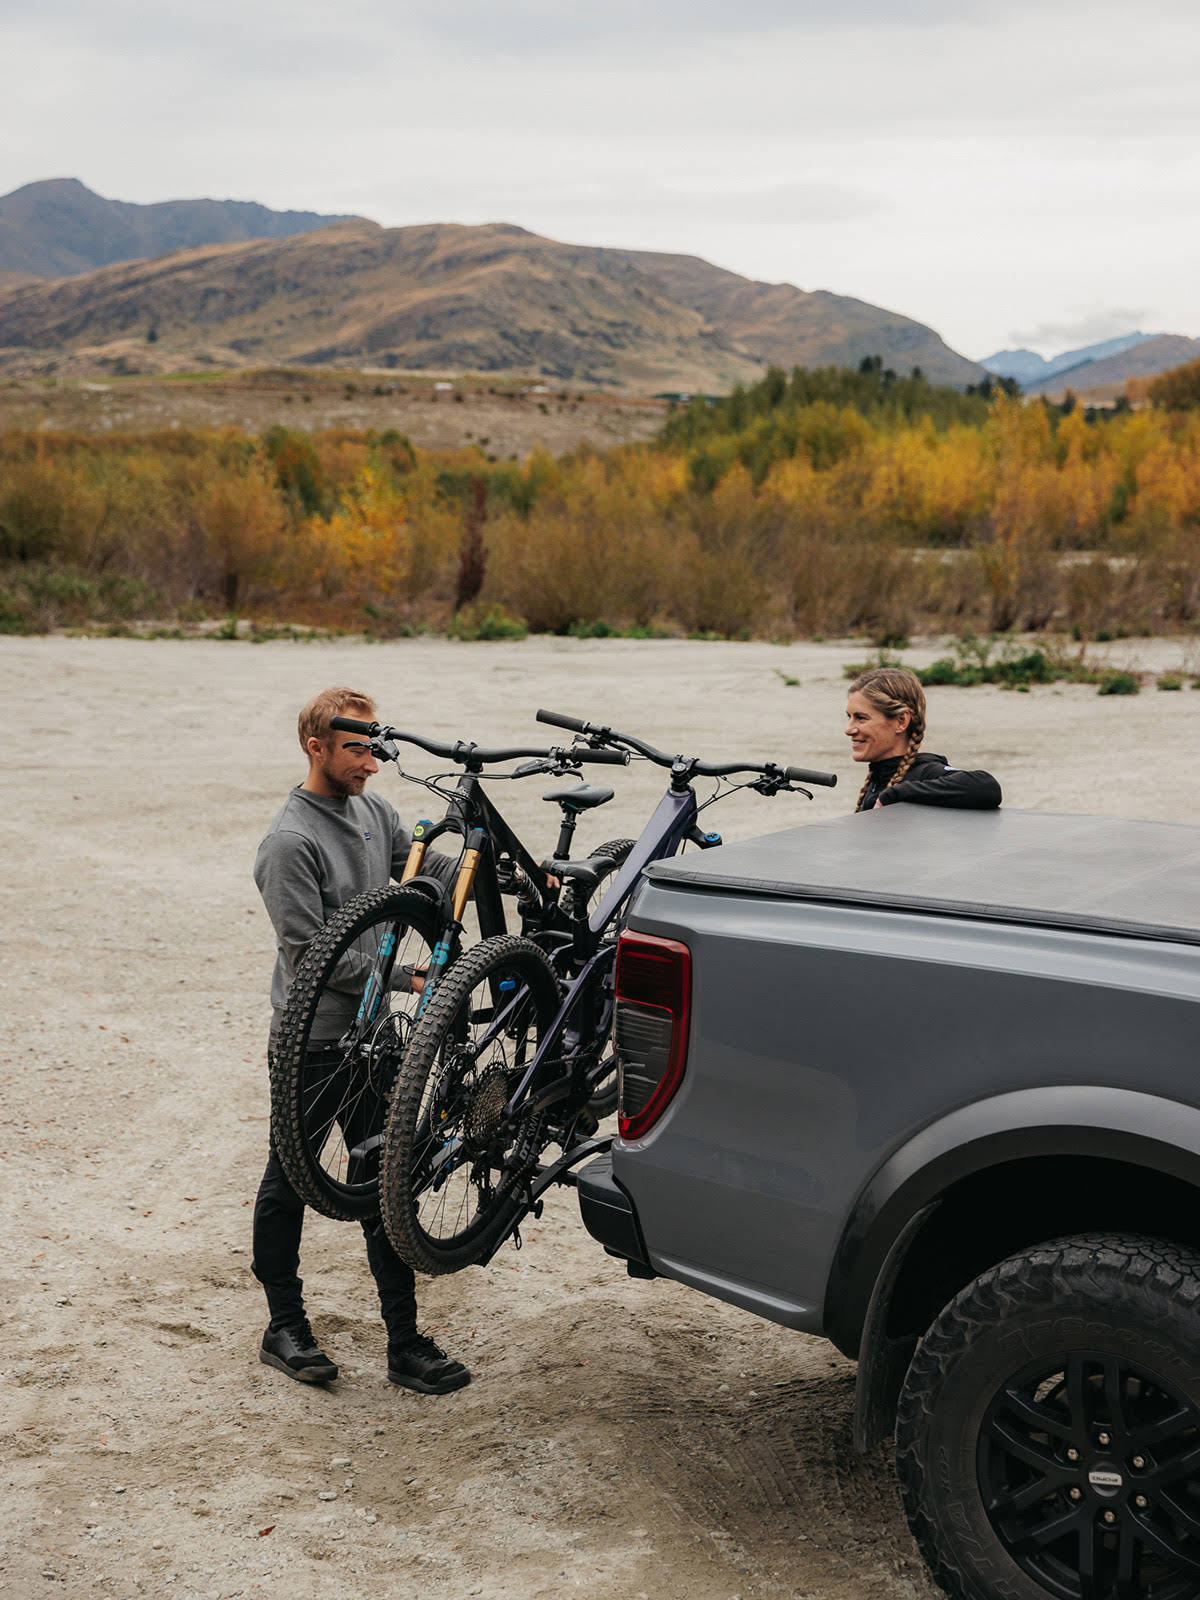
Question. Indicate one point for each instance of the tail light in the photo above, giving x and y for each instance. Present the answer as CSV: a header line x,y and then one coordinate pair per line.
x,y
650,1029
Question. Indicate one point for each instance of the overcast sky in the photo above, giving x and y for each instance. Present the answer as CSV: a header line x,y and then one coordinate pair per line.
x,y
1008,172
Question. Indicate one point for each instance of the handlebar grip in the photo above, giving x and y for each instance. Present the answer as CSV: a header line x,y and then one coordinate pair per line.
x,y
557,720
609,758
826,780
353,725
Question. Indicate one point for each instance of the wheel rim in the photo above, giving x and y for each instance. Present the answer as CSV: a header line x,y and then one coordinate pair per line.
x,y
466,1158
1089,1471
346,1088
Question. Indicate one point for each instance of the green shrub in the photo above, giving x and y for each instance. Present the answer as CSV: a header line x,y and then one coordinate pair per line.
x,y
1169,680
881,658
1119,683
942,671
492,622
596,629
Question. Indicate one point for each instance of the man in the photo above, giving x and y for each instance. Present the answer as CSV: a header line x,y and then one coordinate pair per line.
x,y
329,842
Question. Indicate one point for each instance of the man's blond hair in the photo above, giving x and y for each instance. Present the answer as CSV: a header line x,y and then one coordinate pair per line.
x,y
314,717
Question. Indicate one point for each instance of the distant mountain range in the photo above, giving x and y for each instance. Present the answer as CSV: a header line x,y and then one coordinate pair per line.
x,y
60,227
1103,366
438,297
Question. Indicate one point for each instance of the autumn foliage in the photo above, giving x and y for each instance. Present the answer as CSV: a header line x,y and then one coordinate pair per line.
x,y
817,504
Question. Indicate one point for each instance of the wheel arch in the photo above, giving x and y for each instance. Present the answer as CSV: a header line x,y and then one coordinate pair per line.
x,y
990,1179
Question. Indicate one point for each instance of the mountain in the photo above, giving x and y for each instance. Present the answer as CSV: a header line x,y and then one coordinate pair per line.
x,y
59,227
1105,379
797,328
446,297
1028,368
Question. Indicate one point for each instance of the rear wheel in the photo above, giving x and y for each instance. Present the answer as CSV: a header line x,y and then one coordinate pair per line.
x,y
603,1101
330,1095
616,850
456,1167
1048,1442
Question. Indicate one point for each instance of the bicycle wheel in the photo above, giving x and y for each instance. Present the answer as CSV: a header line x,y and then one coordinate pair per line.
x,y
603,1101
341,1040
616,850
455,1167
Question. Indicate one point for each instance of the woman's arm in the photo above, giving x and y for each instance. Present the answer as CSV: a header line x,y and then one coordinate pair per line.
x,y
965,791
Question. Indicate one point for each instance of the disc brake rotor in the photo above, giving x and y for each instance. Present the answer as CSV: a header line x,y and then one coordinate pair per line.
x,y
386,1052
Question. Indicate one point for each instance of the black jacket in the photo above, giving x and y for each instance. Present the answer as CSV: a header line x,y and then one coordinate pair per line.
x,y
931,781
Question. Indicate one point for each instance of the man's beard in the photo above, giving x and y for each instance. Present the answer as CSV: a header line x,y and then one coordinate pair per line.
x,y
341,789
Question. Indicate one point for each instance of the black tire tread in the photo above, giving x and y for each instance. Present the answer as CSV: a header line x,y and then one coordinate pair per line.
x,y
604,1102
615,849
1144,1274
295,1025
399,1220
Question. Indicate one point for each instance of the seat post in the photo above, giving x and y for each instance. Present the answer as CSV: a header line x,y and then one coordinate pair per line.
x,y
562,850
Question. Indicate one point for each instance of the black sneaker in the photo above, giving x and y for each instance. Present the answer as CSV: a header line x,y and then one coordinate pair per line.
x,y
294,1350
422,1366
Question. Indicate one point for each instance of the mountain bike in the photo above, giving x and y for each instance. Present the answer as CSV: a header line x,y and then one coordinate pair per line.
x,y
372,968
509,1053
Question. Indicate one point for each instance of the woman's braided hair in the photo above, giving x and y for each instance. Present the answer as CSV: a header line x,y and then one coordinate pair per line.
x,y
893,690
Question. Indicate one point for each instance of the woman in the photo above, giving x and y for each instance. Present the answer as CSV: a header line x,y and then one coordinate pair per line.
x,y
885,723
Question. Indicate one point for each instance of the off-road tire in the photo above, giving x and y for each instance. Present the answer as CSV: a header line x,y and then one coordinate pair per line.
x,y
604,1102
430,1076
1075,1331
290,1128
616,850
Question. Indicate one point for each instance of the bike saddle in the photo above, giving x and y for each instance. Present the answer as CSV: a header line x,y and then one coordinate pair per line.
x,y
585,873
580,796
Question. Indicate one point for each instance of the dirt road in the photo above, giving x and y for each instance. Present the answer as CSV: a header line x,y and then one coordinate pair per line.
x,y
621,1439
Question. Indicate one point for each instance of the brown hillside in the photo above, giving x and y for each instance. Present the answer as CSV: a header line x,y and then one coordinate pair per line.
x,y
1106,379
796,328
445,297
59,226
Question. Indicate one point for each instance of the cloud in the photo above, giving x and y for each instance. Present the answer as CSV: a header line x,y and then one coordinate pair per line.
x,y
1090,328
783,202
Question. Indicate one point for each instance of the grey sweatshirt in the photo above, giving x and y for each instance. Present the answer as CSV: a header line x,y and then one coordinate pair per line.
x,y
317,854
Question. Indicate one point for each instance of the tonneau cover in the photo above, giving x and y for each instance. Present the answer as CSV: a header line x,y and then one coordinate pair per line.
x,y
1102,874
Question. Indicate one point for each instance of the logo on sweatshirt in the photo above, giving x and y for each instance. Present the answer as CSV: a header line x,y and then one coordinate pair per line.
x,y
366,834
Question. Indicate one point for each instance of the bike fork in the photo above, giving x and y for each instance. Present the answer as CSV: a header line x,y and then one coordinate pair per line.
x,y
448,942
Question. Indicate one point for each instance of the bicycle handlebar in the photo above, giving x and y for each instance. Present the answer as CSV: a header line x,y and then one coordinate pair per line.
x,y
468,754
823,780
557,720
711,769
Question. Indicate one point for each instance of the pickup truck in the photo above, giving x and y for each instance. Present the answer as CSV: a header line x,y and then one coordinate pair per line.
x,y
927,1083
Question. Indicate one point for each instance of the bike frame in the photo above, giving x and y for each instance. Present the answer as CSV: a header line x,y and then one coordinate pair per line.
x,y
470,810
473,817
666,830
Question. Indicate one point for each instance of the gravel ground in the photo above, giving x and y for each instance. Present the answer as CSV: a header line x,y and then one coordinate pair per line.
x,y
620,1438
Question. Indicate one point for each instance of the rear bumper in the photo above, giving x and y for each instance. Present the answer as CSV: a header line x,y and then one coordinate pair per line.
x,y
608,1213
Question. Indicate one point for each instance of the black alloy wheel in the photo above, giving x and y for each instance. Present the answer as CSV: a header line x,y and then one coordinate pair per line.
x,y
1048,1441
1089,1471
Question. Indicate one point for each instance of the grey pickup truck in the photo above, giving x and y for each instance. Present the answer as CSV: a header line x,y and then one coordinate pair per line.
x,y
927,1083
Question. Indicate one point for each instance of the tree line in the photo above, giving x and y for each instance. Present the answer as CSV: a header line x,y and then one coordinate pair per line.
x,y
824,502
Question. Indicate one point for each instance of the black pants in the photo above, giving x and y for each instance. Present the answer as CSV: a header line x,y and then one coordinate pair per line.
x,y
279,1222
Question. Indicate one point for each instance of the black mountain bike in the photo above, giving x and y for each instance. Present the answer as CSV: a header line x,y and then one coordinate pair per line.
x,y
372,968
509,1053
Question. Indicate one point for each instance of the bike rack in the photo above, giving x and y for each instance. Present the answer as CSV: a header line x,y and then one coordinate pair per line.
x,y
544,1177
